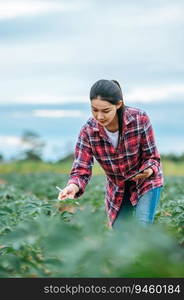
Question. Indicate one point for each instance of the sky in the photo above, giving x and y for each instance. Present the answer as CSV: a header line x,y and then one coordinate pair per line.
x,y
53,51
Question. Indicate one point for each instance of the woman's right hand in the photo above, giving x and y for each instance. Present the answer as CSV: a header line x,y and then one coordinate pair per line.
x,y
68,192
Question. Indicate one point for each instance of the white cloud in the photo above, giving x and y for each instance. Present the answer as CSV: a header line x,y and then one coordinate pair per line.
x,y
124,43
149,94
9,141
165,14
52,113
13,9
135,94
138,16
48,99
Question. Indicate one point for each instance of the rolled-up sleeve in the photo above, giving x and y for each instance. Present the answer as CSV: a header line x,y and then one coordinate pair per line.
x,y
149,151
81,171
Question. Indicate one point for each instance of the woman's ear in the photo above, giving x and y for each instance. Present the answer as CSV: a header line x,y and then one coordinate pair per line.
x,y
119,104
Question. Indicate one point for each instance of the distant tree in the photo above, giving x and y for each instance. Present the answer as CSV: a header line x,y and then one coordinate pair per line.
x,y
1,157
69,157
33,146
173,157
68,153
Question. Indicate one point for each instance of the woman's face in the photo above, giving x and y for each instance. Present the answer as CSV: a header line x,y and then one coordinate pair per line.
x,y
103,111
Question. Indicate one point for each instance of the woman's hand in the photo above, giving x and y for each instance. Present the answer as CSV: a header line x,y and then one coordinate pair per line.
x,y
68,192
145,174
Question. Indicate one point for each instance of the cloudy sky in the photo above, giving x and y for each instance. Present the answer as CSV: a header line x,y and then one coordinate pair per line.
x,y
53,51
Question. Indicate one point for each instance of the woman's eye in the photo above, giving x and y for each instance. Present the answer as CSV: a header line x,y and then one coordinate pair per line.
x,y
105,112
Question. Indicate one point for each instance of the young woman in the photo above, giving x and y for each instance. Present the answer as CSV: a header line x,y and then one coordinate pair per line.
x,y
121,138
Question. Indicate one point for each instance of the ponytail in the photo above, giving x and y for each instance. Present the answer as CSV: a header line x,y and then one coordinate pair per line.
x,y
120,113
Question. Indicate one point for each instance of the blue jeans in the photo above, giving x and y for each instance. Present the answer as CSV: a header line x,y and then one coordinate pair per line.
x,y
144,211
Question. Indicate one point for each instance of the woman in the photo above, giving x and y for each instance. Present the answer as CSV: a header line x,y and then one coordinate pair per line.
x,y
121,139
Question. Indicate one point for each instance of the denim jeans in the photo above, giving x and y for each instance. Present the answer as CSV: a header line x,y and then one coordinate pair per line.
x,y
144,211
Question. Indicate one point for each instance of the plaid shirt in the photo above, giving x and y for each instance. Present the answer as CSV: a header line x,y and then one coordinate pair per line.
x,y
136,150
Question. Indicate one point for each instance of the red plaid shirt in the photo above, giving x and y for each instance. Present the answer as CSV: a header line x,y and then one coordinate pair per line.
x,y
137,149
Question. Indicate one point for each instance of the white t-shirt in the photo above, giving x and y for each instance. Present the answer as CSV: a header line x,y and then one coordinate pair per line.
x,y
113,137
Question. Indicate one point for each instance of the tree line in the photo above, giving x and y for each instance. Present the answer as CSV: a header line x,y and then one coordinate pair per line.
x,y
34,146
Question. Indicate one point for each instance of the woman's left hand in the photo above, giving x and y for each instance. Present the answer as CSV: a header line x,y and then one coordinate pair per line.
x,y
145,174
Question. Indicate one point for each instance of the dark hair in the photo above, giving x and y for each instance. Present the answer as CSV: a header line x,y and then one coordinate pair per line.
x,y
109,90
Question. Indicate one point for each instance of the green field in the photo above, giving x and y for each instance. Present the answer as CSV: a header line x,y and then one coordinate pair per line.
x,y
42,237
169,168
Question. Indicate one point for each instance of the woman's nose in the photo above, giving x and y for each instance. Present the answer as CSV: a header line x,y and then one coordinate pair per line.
x,y
100,117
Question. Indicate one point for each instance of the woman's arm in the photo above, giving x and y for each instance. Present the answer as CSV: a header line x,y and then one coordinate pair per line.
x,y
81,171
149,151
